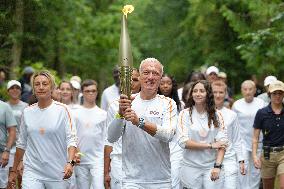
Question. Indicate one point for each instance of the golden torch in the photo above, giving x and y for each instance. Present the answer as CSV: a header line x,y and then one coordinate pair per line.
x,y
125,54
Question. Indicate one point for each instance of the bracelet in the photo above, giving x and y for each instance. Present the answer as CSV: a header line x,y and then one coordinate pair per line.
x,y
242,161
211,147
118,116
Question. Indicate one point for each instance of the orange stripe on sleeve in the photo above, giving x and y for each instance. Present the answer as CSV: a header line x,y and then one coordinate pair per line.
x,y
221,117
69,116
171,109
181,120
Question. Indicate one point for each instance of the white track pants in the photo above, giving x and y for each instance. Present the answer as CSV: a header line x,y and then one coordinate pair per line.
x,y
89,176
196,178
252,178
231,169
32,183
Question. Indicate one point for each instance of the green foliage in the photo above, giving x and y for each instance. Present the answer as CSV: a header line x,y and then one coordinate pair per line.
x,y
38,66
264,49
260,35
82,37
3,93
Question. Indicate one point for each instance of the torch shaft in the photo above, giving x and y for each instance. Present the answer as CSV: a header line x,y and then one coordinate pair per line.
x,y
125,80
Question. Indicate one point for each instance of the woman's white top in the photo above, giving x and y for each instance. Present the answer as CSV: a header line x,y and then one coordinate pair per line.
x,y
198,131
45,135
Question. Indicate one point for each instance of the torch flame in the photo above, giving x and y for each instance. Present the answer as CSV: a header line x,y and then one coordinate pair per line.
x,y
127,9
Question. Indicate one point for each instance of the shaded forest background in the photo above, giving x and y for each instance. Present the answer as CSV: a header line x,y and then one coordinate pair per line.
x,y
81,37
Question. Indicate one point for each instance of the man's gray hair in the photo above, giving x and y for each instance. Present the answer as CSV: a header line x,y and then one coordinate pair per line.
x,y
154,60
248,82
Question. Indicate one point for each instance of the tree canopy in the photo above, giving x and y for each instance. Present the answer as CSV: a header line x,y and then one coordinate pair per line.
x,y
81,37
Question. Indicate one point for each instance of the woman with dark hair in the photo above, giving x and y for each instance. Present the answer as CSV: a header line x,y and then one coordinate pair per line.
x,y
168,88
191,78
201,133
185,94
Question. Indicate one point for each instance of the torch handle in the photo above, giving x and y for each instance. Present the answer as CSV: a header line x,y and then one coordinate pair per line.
x,y
125,77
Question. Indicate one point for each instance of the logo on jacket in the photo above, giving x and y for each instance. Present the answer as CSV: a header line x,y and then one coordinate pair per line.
x,y
154,113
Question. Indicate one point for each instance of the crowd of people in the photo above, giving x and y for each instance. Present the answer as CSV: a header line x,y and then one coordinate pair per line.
x,y
196,137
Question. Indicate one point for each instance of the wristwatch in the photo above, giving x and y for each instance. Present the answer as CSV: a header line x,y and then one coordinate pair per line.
x,y
72,162
218,165
6,149
141,123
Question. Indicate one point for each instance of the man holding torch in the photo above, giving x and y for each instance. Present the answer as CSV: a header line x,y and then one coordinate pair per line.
x,y
146,123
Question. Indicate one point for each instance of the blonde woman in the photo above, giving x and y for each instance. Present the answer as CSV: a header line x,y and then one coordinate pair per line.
x,y
47,140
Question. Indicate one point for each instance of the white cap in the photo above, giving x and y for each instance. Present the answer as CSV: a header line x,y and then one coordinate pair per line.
x,y
75,84
269,79
212,69
11,83
75,78
276,86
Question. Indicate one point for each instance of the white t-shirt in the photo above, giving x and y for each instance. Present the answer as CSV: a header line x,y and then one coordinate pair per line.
x,y
74,107
234,151
17,112
91,132
146,158
264,97
246,114
198,131
45,135
109,95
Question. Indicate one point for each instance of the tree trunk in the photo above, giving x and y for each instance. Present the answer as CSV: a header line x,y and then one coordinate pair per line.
x,y
59,65
16,51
